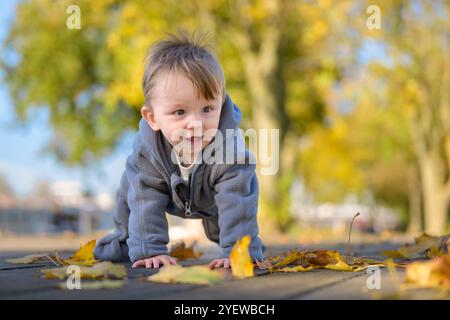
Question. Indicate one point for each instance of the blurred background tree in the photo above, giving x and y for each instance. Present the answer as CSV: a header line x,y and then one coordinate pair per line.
x,y
417,82
394,138
420,46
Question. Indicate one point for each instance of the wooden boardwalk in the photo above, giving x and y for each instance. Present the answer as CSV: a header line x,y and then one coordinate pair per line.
x,y
24,282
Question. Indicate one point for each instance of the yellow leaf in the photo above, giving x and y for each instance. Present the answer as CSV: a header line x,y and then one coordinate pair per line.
x,y
192,275
432,274
241,262
84,256
100,270
181,252
296,269
103,284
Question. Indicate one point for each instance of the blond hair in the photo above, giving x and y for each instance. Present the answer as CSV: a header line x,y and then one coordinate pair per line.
x,y
185,53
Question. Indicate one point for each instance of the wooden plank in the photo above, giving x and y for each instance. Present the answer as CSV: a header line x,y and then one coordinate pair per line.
x,y
358,289
270,286
24,282
134,288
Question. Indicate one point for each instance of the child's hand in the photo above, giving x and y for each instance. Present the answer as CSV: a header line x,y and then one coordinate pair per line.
x,y
217,263
154,262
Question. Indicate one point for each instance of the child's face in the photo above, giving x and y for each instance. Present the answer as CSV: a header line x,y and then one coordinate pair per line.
x,y
187,121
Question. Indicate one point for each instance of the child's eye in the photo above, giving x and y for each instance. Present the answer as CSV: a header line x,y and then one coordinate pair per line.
x,y
179,112
207,109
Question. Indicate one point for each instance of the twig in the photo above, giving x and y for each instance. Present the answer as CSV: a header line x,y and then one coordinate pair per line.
x,y
350,233
49,258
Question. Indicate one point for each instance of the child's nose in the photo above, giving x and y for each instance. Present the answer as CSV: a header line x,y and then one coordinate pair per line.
x,y
194,123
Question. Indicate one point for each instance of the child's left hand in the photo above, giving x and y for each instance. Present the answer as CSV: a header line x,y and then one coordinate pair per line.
x,y
217,263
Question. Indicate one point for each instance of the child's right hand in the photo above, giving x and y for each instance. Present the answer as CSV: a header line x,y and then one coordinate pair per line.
x,y
154,262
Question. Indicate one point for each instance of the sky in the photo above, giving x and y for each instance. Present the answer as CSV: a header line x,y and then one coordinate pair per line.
x,y
22,161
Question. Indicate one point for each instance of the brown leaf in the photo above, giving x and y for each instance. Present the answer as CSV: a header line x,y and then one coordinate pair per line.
x,y
307,260
425,246
181,252
281,260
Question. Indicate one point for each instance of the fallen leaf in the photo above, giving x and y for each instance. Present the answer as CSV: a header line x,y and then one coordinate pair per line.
x,y
84,256
100,270
424,246
430,274
330,260
296,269
29,258
241,262
307,260
193,275
181,252
102,284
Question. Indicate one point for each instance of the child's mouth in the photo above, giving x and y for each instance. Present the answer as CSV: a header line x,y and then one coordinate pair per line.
x,y
194,140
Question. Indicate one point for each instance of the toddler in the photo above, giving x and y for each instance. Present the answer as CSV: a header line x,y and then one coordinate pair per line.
x,y
189,159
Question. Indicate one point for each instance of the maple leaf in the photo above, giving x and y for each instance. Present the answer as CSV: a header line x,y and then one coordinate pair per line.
x,y
181,252
431,274
100,270
193,275
240,260
425,246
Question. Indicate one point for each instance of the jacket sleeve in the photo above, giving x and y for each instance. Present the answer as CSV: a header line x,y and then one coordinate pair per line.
x,y
237,201
148,198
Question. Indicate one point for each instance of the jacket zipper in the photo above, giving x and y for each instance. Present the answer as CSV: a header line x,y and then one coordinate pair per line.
x,y
187,208
187,204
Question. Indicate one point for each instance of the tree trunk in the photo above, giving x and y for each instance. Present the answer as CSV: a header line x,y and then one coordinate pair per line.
x,y
435,197
415,203
274,188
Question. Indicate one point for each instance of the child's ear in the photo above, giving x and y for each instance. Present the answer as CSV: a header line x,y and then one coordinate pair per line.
x,y
149,116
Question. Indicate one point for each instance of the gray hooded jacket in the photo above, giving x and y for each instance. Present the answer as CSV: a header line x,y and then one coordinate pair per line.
x,y
223,193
